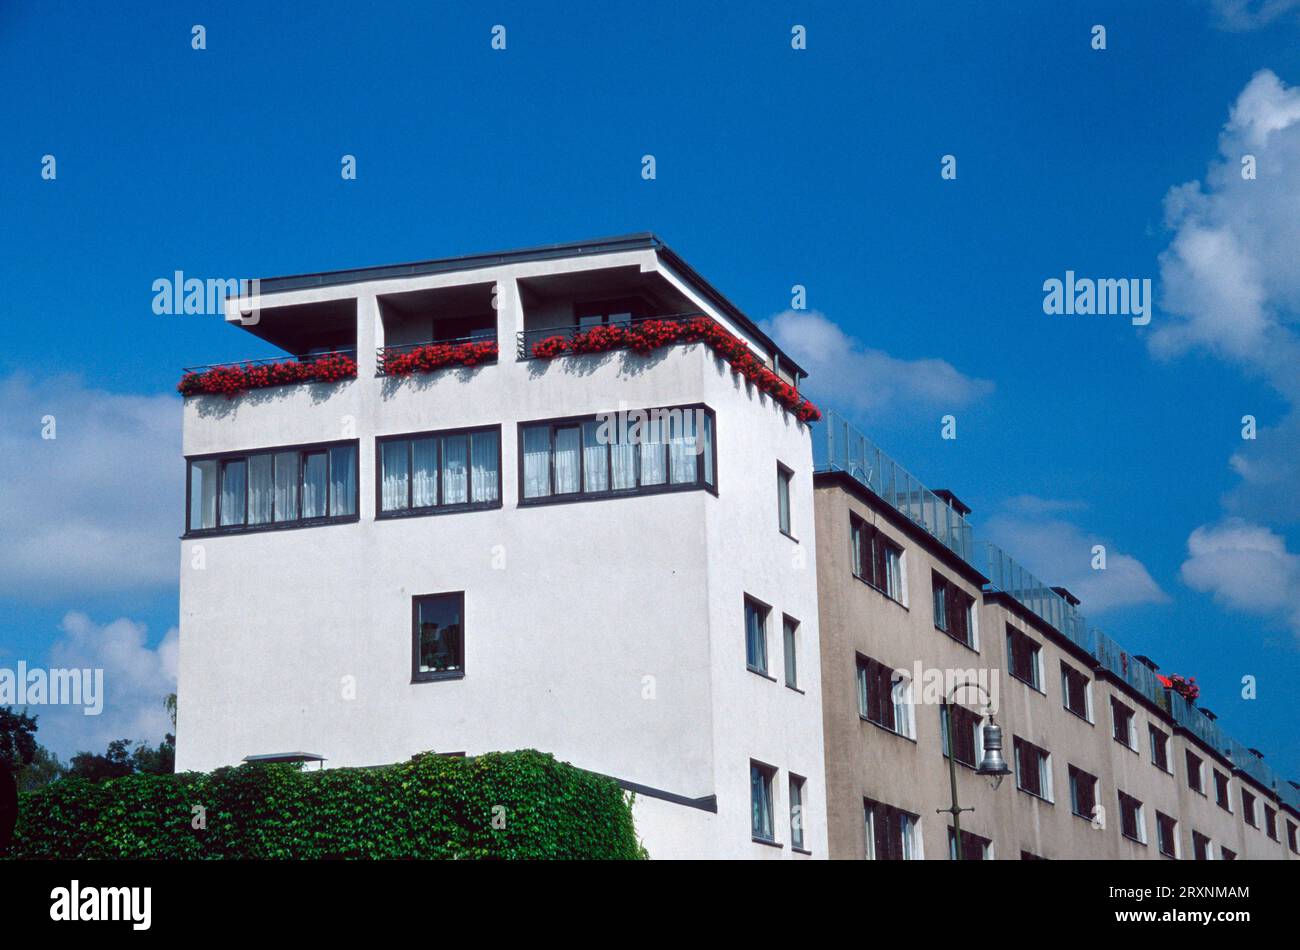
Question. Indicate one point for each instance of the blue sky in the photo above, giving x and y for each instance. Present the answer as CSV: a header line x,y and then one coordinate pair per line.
x,y
774,167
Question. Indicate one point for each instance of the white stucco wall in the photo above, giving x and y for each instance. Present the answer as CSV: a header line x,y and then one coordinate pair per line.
x,y
608,632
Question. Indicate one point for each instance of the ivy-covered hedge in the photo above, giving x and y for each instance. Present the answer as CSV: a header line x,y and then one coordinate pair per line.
x,y
500,805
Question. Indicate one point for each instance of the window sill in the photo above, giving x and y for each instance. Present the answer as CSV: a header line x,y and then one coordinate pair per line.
x,y
800,850
1121,742
796,689
437,677
231,530
770,842
1166,854
1033,686
1088,818
968,645
1035,795
884,728
401,513
788,535
1079,715
1128,837
576,497
762,673
882,593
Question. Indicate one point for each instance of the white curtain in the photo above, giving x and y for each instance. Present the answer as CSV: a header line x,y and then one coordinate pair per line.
x,y
568,443
286,486
622,459
233,476
455,470
595,459
683,451
485,455
203,495
343,480
261,488
653,468
537,461
393,459
706,448
424,473
313,485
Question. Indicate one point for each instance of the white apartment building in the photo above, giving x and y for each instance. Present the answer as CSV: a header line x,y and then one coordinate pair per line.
x,y
463,561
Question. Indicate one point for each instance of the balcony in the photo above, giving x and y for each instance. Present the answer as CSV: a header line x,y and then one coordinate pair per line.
x,y
407,358
233,379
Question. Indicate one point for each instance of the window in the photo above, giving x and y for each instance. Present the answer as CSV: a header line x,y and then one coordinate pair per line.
x,y
1227,855
1270,821
953,610
639,452
1159,748
1033,769
1132,824
790,636
1030,856
973,847
618,312
1166,835
1221,791
760,800
1025,658
796,812
438,649
885,697
783,478
1248,809
276,488
1195,772
891,833
1124,728
438,471
1083,793
968,740
756,635
1291,837
877,560
1076,694
1200,847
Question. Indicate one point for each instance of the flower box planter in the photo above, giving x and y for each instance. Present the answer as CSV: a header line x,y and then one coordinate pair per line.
x,y
235,378
435,356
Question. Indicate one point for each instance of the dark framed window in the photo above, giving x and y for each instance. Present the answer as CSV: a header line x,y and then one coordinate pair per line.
x,y
616,454
1074,692
1024,657
973,847
1131,823
1123,726
953,609
1159,748
1221,791
1033,769
1248,809
1200,847
1291,837
1227,855
756,615
267,489
891,833
1270,821
1166,835
783,479
790,640
1083,793
876,559
437,637
431,472
620,311
884,697
762,826
796,811
1195,772
965,726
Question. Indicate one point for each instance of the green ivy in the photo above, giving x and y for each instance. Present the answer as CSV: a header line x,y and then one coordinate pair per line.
x,y
496,806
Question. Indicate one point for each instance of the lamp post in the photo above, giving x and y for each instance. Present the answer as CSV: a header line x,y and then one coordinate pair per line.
x,y
992,765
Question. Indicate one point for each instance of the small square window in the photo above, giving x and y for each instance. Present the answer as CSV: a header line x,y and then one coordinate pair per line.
x,y
438,650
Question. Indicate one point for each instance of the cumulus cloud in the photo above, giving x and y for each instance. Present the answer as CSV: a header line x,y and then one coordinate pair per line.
x,y
1245,567
136,680
866,380
98,507
1241,15
1057,551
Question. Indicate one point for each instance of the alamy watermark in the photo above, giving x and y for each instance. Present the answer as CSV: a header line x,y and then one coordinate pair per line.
x,y
53,687
1125,296
179,294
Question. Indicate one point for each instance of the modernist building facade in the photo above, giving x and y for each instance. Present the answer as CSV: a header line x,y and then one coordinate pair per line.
x,y
462,561
566,498
1106,761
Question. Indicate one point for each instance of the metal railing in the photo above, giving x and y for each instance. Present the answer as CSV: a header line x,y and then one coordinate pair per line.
x,y
384,352
307,359
527,339
1005,574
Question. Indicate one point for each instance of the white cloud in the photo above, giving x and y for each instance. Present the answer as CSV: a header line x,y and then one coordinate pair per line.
x,y
1250,14
864,380
97,508
1245,567
136,680
1059,553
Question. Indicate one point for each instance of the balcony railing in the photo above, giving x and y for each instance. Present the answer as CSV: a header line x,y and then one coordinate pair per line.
x,y
230,379
433,355
527,339
843,448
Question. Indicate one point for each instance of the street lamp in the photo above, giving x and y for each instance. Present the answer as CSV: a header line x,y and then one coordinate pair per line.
x,y
992,766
